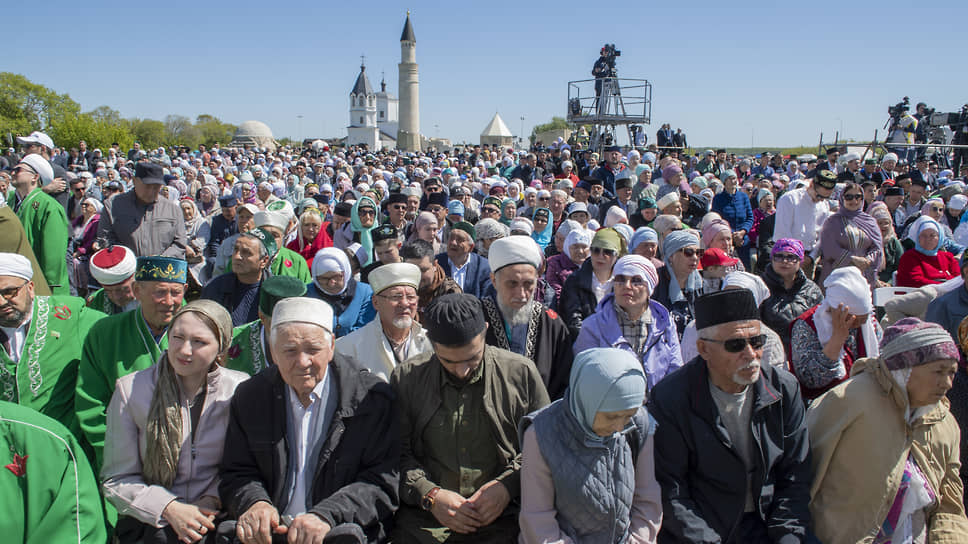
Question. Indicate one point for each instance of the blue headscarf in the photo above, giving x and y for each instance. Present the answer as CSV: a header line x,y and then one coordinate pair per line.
x,y
544,237
366,239
673,242
603,380
643,234
920,225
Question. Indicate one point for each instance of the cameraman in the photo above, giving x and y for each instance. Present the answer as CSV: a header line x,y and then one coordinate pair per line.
x,y
901,134
602,69
960,138
921,133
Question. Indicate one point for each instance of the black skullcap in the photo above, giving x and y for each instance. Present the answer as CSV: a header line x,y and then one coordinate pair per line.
x,y
385,232
397,198
623,183
437,198
725,307
826,179
894,191
343,208
276,288
454,319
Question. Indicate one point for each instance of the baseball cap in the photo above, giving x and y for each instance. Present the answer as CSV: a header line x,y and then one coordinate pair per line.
x,y
36,137
717,257
150,173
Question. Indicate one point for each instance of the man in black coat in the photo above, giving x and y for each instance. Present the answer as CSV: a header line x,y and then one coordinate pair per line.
x,y
312,446
731,449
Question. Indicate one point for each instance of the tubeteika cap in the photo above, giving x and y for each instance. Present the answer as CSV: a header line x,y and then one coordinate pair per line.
x,y
277,288
454,319
725,307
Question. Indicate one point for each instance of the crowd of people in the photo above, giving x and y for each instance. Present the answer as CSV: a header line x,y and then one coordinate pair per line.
x,y
481,345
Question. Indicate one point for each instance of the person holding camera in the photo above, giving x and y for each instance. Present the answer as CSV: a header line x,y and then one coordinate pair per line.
x,y
902,131
601,69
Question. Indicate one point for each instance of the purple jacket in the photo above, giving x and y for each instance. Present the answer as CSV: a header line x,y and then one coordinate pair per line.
x,y
559,268
602,330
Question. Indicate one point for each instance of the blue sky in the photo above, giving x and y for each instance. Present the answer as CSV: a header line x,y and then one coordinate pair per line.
x,y
727,73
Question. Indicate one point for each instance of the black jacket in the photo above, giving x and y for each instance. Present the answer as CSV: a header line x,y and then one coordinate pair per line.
x,y
783,306
683,311
703,478
357,474
577,300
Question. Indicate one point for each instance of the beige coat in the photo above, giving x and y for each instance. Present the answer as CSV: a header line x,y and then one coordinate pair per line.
x,y
367,347
125,444
859,441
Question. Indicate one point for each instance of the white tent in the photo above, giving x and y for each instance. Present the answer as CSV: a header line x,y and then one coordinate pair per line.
x,y
496,133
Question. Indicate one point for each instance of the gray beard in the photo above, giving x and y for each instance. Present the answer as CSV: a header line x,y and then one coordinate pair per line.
x,y
403,322
516,317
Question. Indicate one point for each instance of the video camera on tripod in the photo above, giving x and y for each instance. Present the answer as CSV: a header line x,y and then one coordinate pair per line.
x,y
610,55
896,111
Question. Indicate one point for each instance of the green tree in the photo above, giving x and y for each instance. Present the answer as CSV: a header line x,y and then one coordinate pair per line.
x,y
180,131
149,132
555,123
212,130
26,106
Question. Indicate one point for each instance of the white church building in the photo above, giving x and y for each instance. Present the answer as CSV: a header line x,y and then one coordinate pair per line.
x,y
374,117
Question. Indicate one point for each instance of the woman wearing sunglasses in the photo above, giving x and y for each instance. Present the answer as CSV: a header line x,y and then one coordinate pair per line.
x,y
584,289
828,338
680,283
628,319
791,292
851,237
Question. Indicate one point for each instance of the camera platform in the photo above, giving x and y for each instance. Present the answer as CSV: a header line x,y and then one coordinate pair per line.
x,y
616,102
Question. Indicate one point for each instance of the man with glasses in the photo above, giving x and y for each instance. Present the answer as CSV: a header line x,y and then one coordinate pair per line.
x,y
396,208
800,214
396,335
43,219
41,339
731,448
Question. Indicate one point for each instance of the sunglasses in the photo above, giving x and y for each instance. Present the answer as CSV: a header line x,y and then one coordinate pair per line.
x,y
848,198
603,251
786,258
634,281
937,209
366,211
692,252
22,168
736,345
435,209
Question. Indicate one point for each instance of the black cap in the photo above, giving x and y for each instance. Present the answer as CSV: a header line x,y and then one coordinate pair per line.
x,y
149,172
826,179
437,198
623,183
454,319
831,150
725,307
397,198
613,148
343,209
385,232
902,177
894,191
720,150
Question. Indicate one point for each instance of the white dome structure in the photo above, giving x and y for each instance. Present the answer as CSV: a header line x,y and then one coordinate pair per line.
x,y
254,133
496,133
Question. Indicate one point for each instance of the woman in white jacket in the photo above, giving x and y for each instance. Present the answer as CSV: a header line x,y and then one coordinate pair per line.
x,y
166,430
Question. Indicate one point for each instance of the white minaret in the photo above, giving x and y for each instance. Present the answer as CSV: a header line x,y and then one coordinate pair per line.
x,y
408,136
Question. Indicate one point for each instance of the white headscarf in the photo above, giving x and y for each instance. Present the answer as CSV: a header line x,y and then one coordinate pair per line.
x,y
847,286
748,281
330,259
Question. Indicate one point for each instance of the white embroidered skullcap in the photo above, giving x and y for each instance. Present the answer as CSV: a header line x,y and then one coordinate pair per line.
x,y
513,250
16,265
303,310
390,275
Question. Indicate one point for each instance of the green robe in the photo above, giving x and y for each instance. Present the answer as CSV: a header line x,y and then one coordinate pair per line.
x,y
246,354
45,223
116,346
48,492
45,376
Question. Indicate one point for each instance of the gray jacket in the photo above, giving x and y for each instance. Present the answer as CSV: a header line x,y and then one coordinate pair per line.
x,y
155,229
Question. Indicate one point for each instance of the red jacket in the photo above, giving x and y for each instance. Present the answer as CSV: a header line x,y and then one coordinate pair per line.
x,y
915,269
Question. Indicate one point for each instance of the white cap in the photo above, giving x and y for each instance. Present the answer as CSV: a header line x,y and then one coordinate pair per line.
x,y
36,137
390,275
513,250
16,265
272,219
113,265
303,310
41,166
958,202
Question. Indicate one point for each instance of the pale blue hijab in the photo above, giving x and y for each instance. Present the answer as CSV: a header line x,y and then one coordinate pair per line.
x,y
604,380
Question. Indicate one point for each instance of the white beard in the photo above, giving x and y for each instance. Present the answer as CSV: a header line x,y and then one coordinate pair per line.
x,y
740,380
521,316
404,322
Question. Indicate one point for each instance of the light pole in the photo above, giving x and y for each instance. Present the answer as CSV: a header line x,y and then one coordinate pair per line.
x,y
436,131
521,134
299,128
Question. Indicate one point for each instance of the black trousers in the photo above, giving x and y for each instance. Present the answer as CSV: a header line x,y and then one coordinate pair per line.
x,y
132,531
344,533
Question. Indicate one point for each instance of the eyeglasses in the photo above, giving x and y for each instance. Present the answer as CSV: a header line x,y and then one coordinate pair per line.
x,y
11,292
691,252
848,198
366,211
786,258
544,198
399,207
634,281
937,209
23,168
397,299
435,209
603,251
736,345
489,210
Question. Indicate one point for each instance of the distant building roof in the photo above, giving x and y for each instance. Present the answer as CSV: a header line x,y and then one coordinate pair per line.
x,y
496,128
362,85
407,35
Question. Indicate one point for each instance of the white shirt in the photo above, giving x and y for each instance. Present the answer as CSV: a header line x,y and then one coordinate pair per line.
x,y
307,428
458,273
799,217
18,337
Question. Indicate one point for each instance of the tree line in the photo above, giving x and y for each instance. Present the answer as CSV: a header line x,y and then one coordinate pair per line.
x,y
26,106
